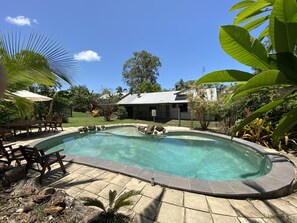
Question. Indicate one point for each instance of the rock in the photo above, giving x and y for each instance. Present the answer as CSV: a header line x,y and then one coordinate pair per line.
x,y
159,128
150,129
102,127
29,206
47,191
20,210
91,215
53,210
91,128
41,198
26,187
58,199
157,132
15,174
98,128
141,129
83,129
5,167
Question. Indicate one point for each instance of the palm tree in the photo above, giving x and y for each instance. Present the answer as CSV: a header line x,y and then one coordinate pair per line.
x,y
111,214
33,60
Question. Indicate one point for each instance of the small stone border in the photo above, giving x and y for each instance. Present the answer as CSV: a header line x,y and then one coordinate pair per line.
x,y
276,183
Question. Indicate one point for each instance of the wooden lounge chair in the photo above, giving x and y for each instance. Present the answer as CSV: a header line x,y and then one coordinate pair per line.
x,y
58,122
10,154
6,134
49,123
35,156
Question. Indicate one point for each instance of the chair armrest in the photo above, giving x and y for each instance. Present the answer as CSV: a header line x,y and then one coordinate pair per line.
x,y
8,144
15,149
54,152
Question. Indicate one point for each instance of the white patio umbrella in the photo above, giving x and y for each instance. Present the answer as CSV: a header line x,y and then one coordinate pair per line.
x,y
32,96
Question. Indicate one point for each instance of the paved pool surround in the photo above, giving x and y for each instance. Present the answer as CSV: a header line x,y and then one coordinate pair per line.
x,y
276,183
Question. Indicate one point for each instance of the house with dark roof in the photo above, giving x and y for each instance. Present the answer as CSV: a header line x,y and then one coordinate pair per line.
x,y
166,104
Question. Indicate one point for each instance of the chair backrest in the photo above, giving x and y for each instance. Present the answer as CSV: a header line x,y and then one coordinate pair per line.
x,y
3,151
59,119
48,118
31,154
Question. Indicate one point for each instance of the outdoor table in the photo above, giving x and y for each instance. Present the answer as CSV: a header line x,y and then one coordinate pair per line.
x,y
25,125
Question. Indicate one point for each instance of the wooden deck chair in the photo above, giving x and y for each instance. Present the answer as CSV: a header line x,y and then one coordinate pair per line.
x,y
58,122
10,154
49,123
35,156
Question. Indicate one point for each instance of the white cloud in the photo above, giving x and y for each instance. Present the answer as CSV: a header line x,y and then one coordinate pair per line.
x,y
88,55
20,20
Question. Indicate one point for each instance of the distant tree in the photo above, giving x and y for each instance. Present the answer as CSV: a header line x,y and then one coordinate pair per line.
x,y
147,87
201,108
80,98
180,85
121,112
120,91
143,66
41,109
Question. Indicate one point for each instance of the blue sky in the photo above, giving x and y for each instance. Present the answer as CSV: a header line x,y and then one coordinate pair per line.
x,y
184,34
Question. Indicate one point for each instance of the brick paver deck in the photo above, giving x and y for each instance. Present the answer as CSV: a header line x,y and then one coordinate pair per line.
x,y
160,204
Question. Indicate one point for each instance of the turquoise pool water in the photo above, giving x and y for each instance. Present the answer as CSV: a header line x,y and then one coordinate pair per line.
x,y
183,154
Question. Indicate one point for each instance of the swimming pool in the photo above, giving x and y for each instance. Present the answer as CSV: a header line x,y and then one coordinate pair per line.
x,y
186,155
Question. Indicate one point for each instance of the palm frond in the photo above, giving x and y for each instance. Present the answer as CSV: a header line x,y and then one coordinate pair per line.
x,y
24,106
38,54
122,200
93,202
112,195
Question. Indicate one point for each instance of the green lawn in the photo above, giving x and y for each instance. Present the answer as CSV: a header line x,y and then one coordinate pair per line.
x,y
85,119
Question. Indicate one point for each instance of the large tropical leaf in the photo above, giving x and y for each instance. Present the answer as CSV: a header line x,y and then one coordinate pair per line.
x,y
271,1
258,113
25,106
287,63
255,23
242,4
253,9
224,76
237,43
265,79
285,125
264,33
283,25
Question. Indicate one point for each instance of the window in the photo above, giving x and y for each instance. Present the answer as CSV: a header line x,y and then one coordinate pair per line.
x,y
183,107
152,108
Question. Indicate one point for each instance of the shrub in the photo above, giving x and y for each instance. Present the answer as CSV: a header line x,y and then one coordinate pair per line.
x,y
122,112
111,214
95,112
8,112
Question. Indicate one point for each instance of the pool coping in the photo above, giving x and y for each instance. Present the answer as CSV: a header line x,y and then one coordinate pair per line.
x,y
276,183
